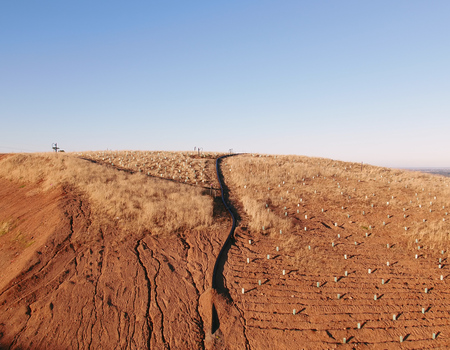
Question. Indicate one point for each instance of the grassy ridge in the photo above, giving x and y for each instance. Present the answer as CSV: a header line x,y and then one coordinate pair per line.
x,y
134,201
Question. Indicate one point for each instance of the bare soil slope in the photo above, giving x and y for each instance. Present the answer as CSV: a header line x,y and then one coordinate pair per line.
x,y
72,280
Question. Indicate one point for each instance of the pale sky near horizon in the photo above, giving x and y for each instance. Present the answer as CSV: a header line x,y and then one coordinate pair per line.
x,y
350,80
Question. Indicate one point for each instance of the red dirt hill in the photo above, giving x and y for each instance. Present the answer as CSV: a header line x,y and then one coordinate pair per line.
x,y
318,235
70,280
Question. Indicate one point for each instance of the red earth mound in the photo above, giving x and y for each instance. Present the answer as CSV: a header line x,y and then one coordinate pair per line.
x,y
69,282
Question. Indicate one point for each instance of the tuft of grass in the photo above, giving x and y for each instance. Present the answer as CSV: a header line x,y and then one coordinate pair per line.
x,y
260,216
5,227
21,240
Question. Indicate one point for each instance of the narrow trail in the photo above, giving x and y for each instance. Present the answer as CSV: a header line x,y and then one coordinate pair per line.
x,y
218,278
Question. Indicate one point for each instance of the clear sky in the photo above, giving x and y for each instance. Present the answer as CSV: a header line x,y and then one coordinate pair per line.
x,y
351,80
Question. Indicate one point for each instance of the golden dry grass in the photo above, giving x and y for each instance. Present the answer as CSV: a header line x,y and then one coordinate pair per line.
x,y
185,167
5,227
283,183
133,201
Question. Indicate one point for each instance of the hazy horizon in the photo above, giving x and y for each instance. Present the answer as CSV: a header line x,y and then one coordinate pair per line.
x,y
354,81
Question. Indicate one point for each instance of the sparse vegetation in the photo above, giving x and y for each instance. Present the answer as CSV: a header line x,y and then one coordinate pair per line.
x,y
5,227
270,186
349,227
22,240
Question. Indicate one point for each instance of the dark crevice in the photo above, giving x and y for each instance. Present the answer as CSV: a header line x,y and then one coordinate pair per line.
x,y
215,324
96,296
217,278
218,282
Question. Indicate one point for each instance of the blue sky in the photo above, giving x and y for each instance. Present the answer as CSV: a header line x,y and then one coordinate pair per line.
x,y
349,80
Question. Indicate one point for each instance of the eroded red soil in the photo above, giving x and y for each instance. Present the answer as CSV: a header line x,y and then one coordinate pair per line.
x,y
72,282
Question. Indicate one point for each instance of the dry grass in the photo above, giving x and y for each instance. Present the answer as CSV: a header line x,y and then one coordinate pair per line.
x,y
184,167
5,227
22,240
431,233
134,201
262,217
288,183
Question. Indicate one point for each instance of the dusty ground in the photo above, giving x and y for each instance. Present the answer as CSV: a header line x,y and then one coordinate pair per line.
x,y
67,281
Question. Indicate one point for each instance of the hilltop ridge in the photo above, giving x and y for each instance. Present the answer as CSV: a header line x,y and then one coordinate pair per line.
x,y
325,253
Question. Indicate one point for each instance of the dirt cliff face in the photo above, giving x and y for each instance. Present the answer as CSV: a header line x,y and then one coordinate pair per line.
x,y
72,282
